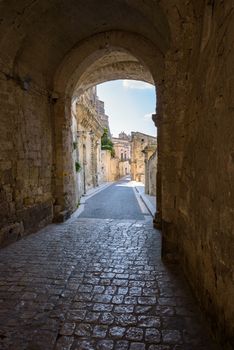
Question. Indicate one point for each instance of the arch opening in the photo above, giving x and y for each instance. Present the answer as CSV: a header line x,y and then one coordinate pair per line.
x,y
110,57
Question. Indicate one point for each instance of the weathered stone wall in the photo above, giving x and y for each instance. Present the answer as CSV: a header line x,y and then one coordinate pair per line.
x,y
152,164
57,46
25,161
109,167
88,137
197,126
122,147
139,142
124,168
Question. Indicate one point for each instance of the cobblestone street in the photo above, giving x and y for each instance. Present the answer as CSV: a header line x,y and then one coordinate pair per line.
x,y
95,284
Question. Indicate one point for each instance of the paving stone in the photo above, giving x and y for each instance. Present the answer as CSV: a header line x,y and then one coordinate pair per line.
x,y
110,290
81,305
67,328
98,289
161,347
64,343
149,291
134,333
85,288
123,290
92,316
121,345
120,282
124,309
130,300
147,300
135,291
126,320
117,299
84,330
86,344
107,275
106,318
142,309
100,331
105,282
83,297
102,307
95,284
76,315
152,335
148,321
137,346
105,345
102,298
117,332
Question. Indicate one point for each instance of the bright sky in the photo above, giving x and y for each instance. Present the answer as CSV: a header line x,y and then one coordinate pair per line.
x,y
129,105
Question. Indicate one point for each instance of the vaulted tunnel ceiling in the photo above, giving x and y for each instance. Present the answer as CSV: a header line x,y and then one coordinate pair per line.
x,y
36,36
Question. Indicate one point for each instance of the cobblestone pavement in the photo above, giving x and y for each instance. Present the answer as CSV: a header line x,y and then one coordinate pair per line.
x,y
95,284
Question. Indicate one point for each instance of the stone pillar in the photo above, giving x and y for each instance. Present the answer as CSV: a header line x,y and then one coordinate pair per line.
x,y
63,169
94,161
148,151
161,221
158,215
146,173
96,167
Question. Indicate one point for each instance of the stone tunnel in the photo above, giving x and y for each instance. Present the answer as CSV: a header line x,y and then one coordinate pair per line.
x,y
51,51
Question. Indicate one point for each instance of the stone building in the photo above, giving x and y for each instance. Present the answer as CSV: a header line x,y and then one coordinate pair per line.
x,y
140,144
104,119
150,156
51,50
150,171
109,167
88,130
122,146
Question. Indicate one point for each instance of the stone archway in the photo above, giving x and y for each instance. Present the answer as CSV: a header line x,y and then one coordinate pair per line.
x,y
188,49
106,56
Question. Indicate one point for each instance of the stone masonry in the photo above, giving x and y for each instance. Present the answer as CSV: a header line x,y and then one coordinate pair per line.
x,y
52,51
139,144
96,284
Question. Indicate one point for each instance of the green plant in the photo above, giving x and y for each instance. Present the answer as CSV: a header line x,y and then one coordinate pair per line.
x,y
74,145
106,143
78,166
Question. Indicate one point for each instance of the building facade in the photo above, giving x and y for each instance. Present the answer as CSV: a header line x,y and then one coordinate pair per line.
x,y
150,154
122,147
139,142
87,132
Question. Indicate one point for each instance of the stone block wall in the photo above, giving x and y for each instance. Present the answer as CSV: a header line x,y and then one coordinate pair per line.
x,y
197,160
152,174
139,142
25,161
109,167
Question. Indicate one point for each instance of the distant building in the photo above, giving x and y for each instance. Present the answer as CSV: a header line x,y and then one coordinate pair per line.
x,y
135,154
122,146
139,142
104,119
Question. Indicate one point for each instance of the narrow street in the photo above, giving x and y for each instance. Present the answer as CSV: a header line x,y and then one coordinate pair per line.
x,y
97,282
117,201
